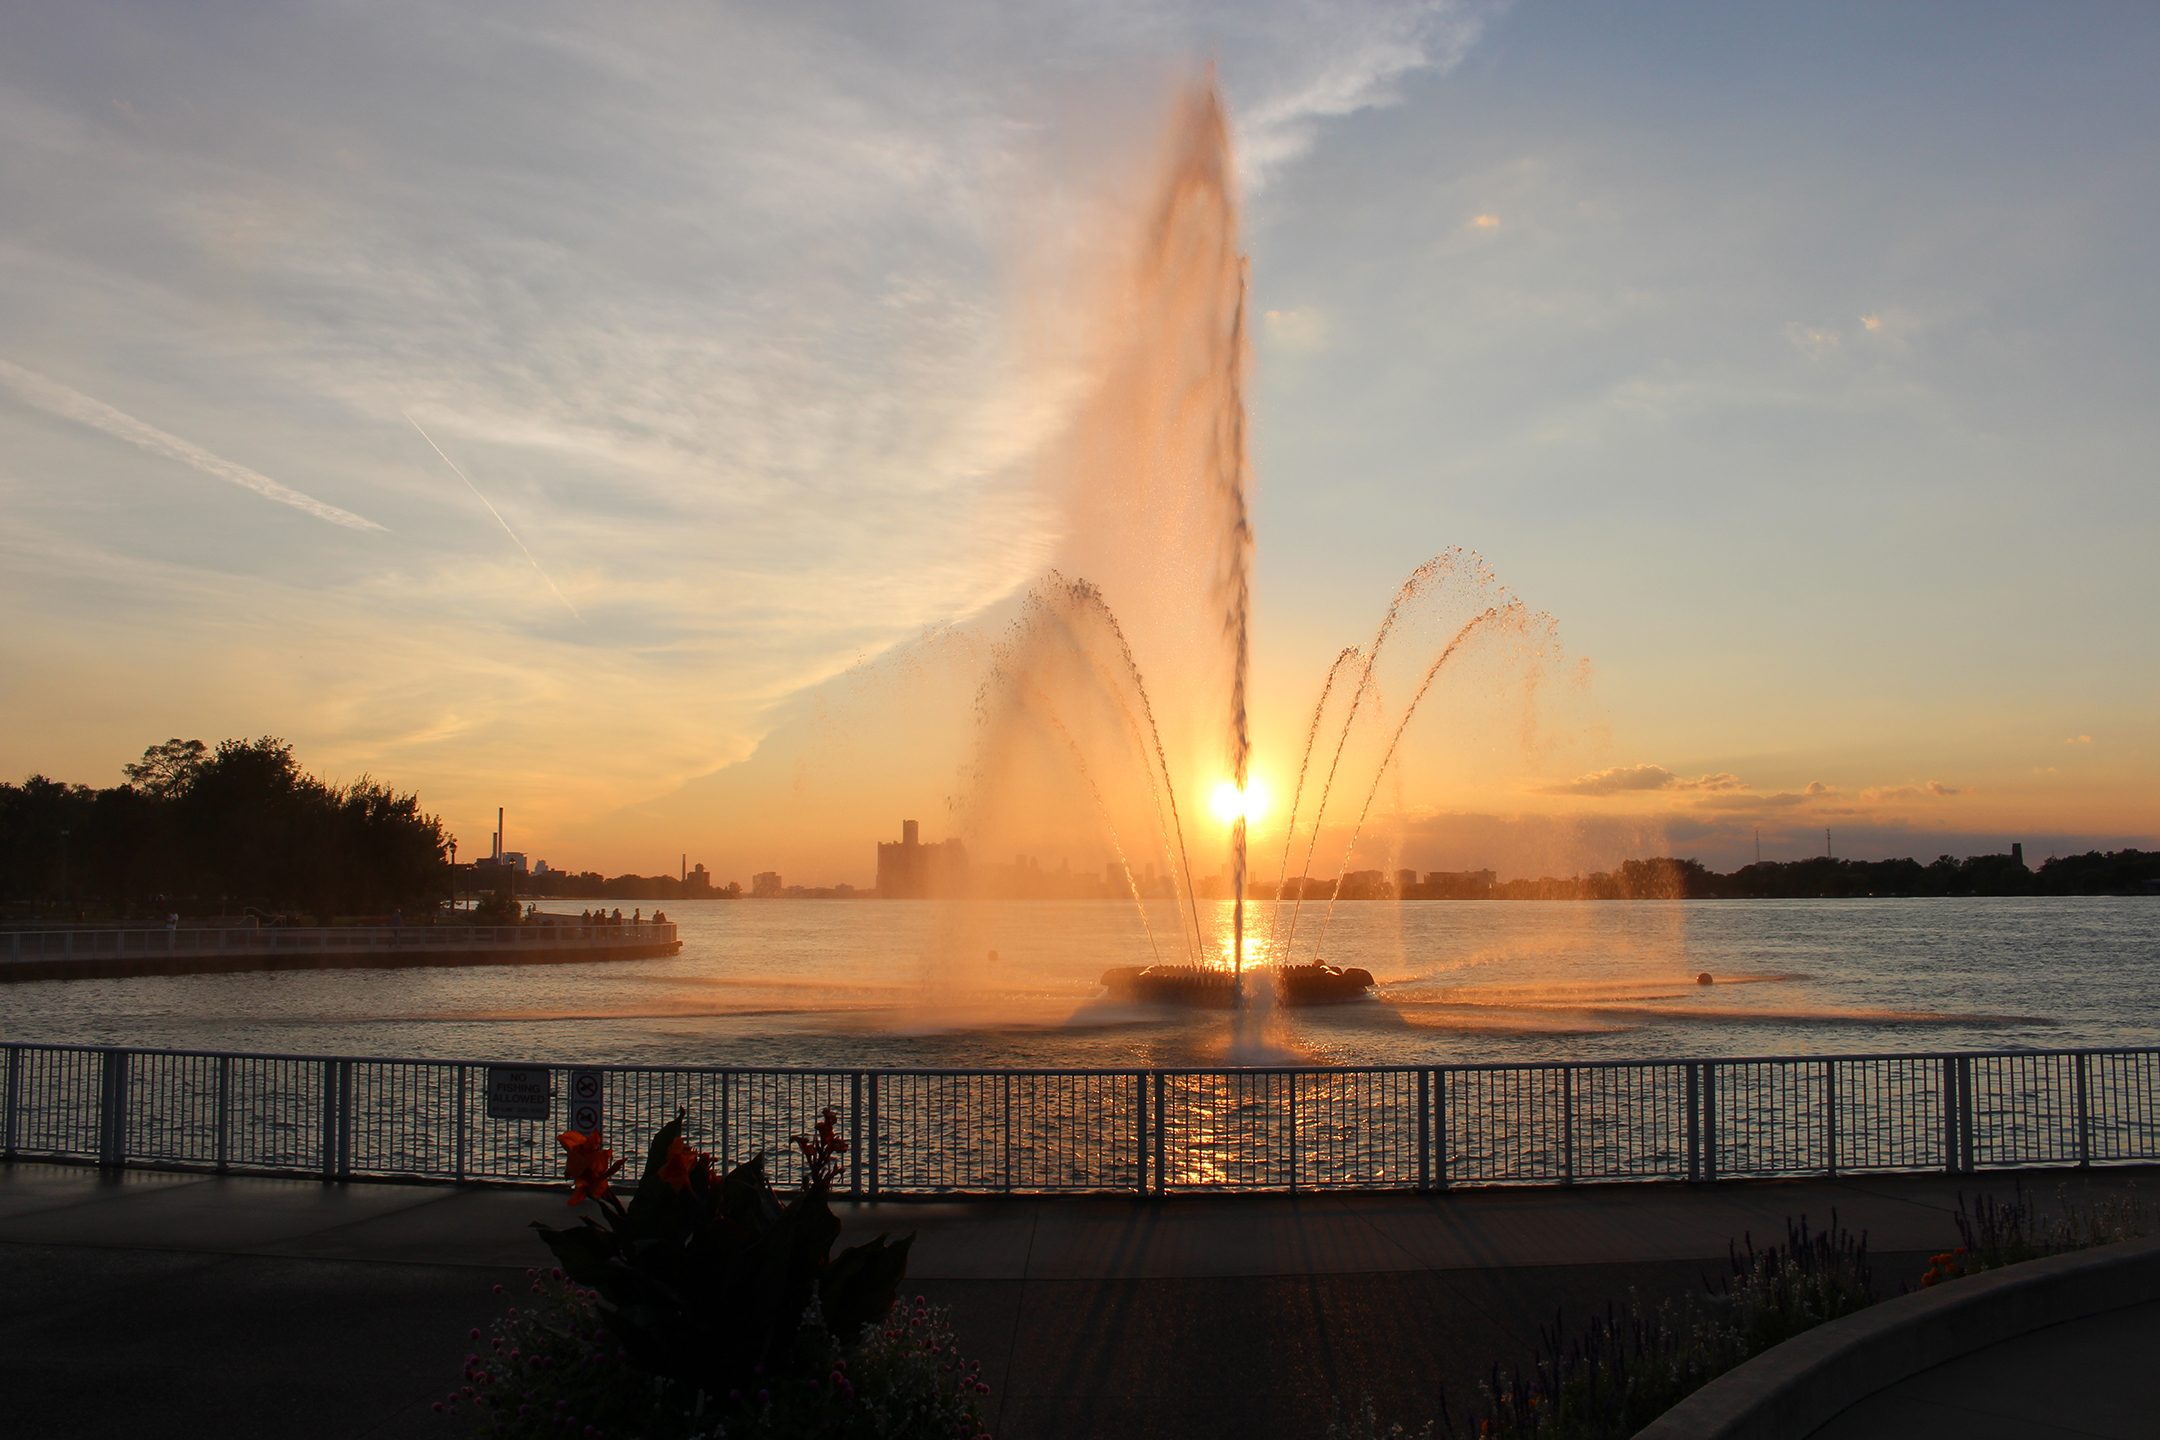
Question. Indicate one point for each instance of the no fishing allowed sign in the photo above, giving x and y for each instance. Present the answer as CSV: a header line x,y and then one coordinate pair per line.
x,y
518,1092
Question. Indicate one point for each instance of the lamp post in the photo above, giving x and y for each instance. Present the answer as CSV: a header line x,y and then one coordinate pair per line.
x,y
453,875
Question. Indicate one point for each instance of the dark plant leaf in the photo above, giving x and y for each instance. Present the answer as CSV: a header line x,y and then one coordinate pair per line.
x,y
653,1193
860,1285
584,1251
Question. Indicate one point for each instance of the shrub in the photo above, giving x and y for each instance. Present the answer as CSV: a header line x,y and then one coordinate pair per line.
x,y
1365,1425
1998,1233
553,1368
705,1307
499,908
1638,1360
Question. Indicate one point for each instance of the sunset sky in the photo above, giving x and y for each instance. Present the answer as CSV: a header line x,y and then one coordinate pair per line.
x,y
630,415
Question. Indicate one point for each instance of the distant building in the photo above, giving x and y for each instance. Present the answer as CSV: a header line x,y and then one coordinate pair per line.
x,y
540,867
907,869
515,859
697,884
765,885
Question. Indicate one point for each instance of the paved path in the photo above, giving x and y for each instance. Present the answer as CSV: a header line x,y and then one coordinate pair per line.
x,y
182,1305
2086,1378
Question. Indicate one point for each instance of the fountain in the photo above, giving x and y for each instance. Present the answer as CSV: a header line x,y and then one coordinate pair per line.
x,y
1153,475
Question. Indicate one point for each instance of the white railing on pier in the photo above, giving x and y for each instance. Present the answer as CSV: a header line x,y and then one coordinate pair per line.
x,y
922,1132
309,940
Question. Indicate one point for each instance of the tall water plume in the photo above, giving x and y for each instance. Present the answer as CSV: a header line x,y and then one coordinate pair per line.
x,y
1119,693
1152,477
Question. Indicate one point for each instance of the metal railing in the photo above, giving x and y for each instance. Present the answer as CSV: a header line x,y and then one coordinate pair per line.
x,y
918,1132
310,940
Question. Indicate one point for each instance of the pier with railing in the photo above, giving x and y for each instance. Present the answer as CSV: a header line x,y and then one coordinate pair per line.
x,y
918,1132
177,950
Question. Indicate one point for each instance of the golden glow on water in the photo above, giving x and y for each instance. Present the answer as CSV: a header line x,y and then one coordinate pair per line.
x,y
903,983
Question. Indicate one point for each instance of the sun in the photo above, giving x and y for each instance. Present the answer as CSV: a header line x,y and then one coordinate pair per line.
x,y
1231,803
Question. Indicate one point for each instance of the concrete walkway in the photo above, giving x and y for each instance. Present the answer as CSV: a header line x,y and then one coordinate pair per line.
x,y
183,1304
2086,1378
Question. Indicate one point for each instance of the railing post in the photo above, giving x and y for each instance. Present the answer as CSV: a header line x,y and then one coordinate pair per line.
x,y
1424,1129
112,1109
1162,1177
345,1119
1830,1117
1439,1129
463,1100
1140,1135
1694,1121
224,1111
1567,1125
872,1136
1290,1078
2084,1114
1709,1120
1005,1169
727,1122
14,1101
1950,1114
1965,1113
855,1190
329,1118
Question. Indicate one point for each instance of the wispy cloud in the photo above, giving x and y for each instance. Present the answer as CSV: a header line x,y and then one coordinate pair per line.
x,y
1932,790
1352,60
1781,800
720,302
70,404
1297,329
1627,779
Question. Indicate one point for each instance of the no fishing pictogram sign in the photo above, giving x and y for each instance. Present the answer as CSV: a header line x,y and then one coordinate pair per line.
x,y
587,1089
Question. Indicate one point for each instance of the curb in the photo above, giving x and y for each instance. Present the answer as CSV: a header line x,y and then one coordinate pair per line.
x,y
1789,1390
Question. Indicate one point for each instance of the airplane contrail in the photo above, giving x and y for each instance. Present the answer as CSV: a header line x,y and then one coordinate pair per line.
x,y
69,404
498,518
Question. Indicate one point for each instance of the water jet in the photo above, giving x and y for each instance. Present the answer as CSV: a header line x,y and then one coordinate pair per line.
x,y
1156,567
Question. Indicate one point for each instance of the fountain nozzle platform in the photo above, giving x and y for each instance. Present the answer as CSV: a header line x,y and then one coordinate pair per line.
x,y
1206,987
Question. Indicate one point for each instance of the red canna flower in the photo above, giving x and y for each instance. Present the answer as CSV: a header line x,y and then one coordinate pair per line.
x,y
590,1166
821,1156
681,1160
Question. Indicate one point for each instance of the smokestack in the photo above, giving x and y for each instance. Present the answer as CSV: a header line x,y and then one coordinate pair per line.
x,y
2017,852
686,867
499,847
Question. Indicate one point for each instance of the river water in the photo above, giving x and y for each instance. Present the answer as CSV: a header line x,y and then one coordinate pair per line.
x,y
912,983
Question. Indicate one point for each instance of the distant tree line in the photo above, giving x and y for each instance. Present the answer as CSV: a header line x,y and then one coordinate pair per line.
x,y
592,885
196,830
2116,872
